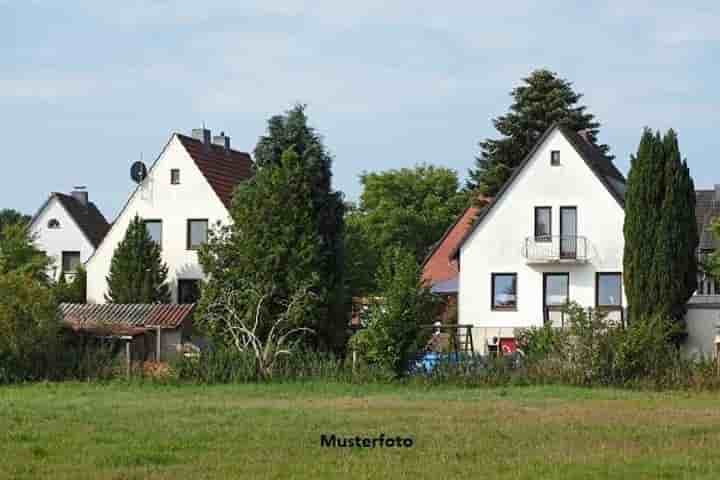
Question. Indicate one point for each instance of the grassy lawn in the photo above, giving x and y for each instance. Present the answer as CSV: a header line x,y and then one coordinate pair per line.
x,y
73,430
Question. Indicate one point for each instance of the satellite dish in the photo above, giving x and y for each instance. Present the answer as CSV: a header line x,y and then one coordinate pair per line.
x,y
138,172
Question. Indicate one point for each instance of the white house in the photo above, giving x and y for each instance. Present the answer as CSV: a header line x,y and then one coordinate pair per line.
x,y
553,233
68,228
187,189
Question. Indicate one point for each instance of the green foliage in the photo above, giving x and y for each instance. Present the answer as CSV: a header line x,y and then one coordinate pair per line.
x,y
408,208
137,272
542,99
661,237
272,251
73,291
393,335
19,254
12,217
325,207
29,328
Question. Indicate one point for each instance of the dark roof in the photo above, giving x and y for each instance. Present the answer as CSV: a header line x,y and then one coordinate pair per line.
x,y
127,318
601,166
88,217
707,209
224,170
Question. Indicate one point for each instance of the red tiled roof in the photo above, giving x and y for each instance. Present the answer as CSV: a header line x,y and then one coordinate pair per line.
x,y
127,318
438,266
223,169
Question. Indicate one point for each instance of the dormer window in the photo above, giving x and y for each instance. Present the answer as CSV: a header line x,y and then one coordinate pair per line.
x,y
555,158
53,224
175,176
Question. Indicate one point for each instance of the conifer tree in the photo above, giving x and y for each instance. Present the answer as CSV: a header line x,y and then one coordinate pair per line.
x,y
660,263
137,272
542,99
273,258
291,130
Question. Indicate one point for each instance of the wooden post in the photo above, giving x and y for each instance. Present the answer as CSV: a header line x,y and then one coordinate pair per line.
x,y
127,357
158,344
354,360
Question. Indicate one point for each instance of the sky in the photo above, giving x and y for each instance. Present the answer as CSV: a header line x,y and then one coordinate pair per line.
x,y
87,88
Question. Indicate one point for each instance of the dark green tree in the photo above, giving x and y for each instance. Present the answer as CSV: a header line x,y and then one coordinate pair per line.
x,y
73,291
661,237
408,208
137,272
19,254
542,99
291,130
272,248
9,216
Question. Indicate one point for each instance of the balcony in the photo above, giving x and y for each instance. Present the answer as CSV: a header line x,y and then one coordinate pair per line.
x,y
555,249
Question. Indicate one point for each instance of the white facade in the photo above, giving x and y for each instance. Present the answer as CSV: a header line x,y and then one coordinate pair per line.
x,y
497,244
156,198
55,231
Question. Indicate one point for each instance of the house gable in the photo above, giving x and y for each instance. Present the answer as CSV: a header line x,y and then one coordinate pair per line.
x,y
157,198
496,242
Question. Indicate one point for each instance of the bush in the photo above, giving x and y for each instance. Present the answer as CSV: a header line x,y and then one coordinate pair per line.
x,y
393,335
29,329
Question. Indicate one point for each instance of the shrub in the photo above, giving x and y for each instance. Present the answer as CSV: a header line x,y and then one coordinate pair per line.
x,y
393,335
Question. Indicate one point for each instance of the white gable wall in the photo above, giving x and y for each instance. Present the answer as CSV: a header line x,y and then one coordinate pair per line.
x,y
157,199
53,242
496,244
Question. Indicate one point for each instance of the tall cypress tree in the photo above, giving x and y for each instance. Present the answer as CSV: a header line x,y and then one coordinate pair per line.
x,y
660,231
542,99
137,272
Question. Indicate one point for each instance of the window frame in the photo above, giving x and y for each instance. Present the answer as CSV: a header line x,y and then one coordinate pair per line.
x,y
554,158
174,176
155,220
188,245
62,260
542,238
53,224
181,281
597,291
502,308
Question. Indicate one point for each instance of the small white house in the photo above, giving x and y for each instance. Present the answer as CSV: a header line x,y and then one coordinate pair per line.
x,y
553,233
68,228
187,190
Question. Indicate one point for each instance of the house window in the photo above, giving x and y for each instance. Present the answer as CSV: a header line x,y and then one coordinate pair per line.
x,y
188,291
557,289
175,176
543,224
197,233
154,229
70,261
504,291
555,158
53,224
608,290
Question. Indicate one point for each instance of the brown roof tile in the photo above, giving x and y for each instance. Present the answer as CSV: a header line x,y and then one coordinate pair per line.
x,y
223,169
123,317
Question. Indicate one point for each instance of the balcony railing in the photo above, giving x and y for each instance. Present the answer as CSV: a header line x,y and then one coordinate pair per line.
x,y
556,248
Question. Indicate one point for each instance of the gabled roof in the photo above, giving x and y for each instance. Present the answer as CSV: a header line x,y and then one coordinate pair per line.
x,y
89,219
223,169
707,209
599,164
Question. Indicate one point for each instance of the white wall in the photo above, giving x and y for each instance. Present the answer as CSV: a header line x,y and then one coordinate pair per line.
x,y
496,245
701,321
53,242
157,199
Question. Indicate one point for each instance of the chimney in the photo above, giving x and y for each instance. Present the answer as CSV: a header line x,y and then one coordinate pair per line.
x,y
222,140
717,193
80,194
202,134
